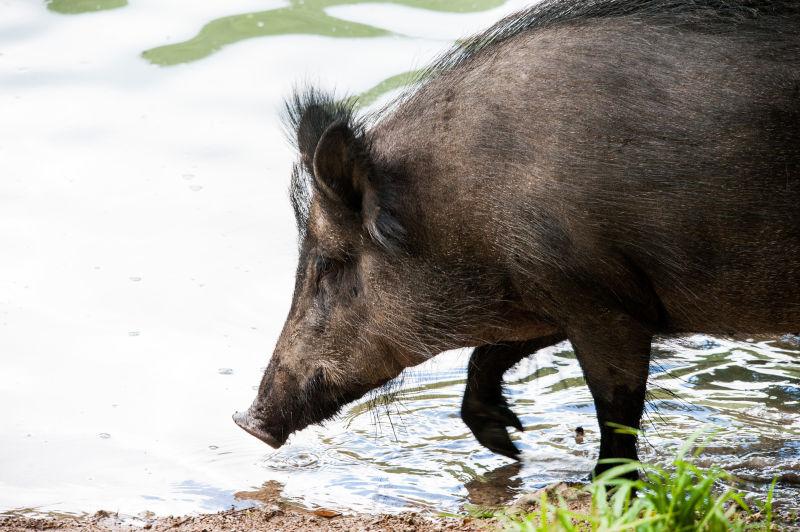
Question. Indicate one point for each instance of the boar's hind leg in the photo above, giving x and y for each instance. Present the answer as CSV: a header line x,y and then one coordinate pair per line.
x,y
615,359
484,409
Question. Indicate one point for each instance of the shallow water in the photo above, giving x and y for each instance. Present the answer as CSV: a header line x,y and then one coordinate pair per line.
x,y
148,262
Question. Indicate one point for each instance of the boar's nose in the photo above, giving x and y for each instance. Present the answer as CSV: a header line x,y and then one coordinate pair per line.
x,y
250,424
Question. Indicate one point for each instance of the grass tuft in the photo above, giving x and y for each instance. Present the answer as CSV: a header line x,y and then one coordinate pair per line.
x,y
680,498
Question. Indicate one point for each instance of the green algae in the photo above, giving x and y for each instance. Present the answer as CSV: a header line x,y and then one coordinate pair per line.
x,y
74,7
299,17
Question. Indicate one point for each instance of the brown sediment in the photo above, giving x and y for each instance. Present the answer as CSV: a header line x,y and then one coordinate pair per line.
x,y
255,519
274,513
278,514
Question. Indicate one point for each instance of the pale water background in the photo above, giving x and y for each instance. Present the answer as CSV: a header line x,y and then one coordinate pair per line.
x,y
148,252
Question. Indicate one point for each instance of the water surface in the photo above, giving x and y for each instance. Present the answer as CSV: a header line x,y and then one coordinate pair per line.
x,y
149,252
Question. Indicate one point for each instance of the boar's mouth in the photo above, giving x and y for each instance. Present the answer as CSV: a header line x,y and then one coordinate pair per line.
x,y
273,419
248,422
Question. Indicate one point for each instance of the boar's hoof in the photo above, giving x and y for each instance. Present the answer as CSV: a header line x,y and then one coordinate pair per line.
x,y
488,423
249,424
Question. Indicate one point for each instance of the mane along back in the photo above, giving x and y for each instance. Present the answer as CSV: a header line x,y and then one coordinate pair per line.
x,y
713,16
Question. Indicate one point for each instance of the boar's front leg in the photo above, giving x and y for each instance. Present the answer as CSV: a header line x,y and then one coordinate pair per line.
x,y
615,359
484,409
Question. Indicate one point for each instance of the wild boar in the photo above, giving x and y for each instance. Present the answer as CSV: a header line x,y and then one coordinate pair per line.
x,y
599,171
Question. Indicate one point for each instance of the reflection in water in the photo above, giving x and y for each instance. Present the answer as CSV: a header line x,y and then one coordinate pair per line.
x,y
297,19
73,7
207,498
369,96
269,493
300,17
496,487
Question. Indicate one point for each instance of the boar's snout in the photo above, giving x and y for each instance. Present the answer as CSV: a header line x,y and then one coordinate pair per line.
x,y
248,421
289,400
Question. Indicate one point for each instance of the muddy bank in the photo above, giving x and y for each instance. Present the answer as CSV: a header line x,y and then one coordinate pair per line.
x,y
257,519
272,513
280,516
277,514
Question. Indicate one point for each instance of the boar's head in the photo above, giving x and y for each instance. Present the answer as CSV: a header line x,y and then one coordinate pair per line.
x,y
368,299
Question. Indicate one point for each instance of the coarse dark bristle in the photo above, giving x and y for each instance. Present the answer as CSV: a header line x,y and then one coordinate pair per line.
x,y
316,110
711,16
695,15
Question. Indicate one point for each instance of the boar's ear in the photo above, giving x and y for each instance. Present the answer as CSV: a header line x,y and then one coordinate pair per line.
x,y
311,126
342,173
339,166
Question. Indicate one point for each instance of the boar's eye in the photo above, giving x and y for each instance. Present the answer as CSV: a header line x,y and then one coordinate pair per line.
x,y
325,267
334,275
